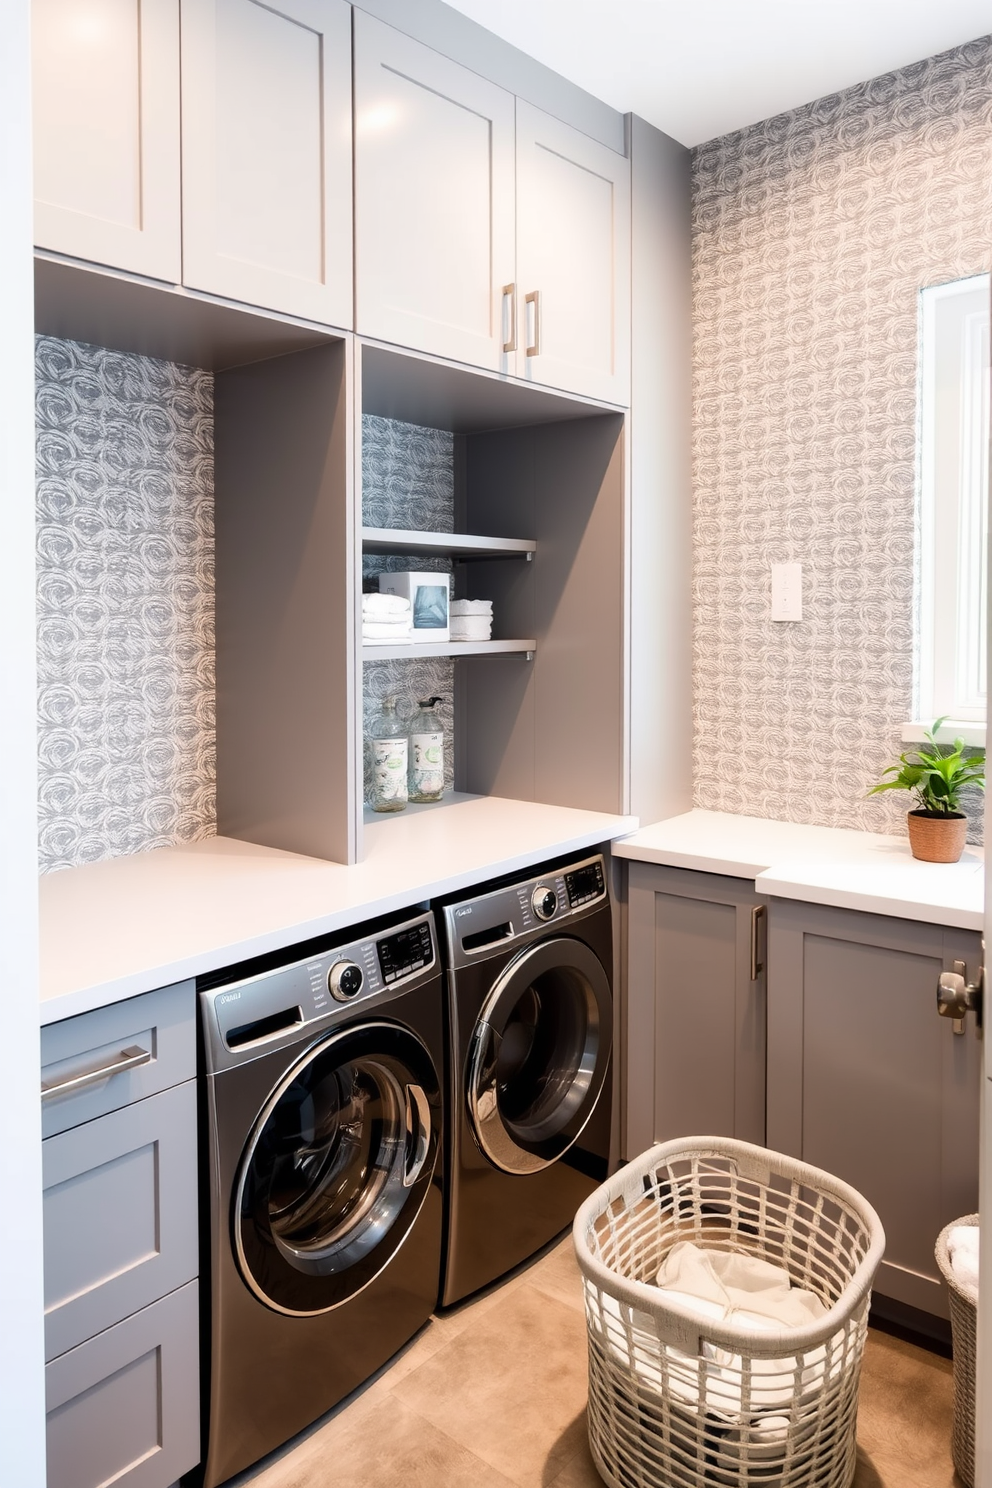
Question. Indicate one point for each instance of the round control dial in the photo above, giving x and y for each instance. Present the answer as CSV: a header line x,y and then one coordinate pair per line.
x,y
544,901
344,980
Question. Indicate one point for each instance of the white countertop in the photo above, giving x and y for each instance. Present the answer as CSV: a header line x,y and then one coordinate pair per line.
x,y
113,929
822,865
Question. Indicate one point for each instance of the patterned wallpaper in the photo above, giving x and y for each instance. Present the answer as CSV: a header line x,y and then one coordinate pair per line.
x,y
813,233
408,480
125,603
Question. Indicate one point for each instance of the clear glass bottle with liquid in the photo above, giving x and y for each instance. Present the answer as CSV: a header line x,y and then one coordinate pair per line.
x,y
389,751
426,752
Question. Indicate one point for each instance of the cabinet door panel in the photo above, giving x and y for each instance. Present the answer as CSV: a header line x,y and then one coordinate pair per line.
x,y
866,1081
695,1016
573,251
120,1215
106,132
124,1407
267,154
433,199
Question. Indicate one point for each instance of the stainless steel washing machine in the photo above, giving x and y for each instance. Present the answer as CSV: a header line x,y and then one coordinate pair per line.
x,y
323,1132
528,966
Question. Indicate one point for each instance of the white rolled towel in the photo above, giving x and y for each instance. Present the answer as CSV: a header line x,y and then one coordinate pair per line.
x,y
962,1248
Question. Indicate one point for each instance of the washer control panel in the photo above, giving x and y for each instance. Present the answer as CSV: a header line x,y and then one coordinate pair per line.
x,y
247,1016
478,927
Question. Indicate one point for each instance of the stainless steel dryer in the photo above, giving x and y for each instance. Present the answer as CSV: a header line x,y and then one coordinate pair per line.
x,y
323,1107
530,1009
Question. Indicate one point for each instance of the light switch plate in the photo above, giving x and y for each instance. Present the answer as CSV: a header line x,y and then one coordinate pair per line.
x,y
787,591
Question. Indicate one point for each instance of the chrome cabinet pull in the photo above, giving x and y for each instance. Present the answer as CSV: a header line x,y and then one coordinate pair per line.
x,y
534,298
757,915
510,292
418,1113
957,997
127,1059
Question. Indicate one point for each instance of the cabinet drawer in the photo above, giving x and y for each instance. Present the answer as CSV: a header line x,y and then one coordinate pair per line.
x,y
119,1215
124,1407
85,1050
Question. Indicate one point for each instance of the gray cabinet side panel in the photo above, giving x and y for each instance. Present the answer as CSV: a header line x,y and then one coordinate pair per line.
x,y
286,772
120,1215
553,731
640,1000
660,489
125,1406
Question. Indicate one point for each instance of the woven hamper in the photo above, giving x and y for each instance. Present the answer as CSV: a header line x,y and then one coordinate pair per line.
x,y
676,1401
964,1343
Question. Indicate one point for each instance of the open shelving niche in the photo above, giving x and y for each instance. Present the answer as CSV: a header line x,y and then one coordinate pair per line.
x,y
539,476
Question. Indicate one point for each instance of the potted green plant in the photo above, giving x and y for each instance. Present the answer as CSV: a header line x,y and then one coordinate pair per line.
x,y
936,774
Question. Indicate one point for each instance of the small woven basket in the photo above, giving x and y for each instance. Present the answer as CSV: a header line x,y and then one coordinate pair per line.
x,y
964,1343
676,1401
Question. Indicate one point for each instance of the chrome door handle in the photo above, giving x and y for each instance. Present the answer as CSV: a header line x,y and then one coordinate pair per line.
x,y
510,292
957,997
757,915
129,1058
534,298
418,1112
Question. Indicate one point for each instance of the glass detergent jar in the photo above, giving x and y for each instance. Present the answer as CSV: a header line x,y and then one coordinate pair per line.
x,y
389,753
426,752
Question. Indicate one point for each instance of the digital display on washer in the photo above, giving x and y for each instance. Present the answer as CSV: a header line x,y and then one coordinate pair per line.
x,y
585,884
406,951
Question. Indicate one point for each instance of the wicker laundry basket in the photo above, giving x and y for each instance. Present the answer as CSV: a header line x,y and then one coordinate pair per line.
x,y
964,1342
676,1401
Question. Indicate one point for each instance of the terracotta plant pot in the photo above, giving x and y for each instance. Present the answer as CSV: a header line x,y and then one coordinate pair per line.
x,y
937,839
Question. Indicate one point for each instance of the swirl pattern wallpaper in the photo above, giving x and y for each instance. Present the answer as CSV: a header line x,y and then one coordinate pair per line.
x,y
813,235
125,603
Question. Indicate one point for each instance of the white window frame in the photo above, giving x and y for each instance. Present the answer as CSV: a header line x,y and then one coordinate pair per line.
x,y
953,530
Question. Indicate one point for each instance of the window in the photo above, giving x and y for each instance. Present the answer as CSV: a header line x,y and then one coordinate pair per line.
x,y
954,468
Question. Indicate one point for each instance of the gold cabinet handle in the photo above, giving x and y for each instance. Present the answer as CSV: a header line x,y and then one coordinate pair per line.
x,y
534,298
510,292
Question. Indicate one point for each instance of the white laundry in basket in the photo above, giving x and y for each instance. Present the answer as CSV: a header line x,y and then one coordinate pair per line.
x,y
714,1286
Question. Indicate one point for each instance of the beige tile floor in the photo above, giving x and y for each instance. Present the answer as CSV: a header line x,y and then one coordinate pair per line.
x,y
492,1395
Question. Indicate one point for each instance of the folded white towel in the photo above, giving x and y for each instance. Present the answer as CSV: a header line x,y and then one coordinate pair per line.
x,y
385,606
470,607
471,630
962,1248
372,631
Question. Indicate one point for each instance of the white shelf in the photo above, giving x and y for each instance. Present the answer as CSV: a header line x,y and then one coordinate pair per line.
x,y
444,544
419,649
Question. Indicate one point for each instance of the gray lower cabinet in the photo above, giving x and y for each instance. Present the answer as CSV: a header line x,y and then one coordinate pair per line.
x,y
866,1081
695,1012
121,1258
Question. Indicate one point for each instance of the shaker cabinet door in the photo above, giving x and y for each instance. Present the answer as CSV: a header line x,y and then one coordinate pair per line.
x,y
433,200
695,1007
267,154
866,1081
106,132
573,259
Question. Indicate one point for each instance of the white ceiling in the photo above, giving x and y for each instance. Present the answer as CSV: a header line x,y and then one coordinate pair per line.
x,y
699,68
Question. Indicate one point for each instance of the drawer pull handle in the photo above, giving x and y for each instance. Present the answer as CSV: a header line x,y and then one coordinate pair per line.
x,y
128,1058
757,915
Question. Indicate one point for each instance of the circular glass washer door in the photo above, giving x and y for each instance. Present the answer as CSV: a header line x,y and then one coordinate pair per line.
x,y
539,1055
337,1168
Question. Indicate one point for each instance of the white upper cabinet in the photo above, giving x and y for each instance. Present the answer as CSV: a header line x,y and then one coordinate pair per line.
x,y
434,182
106,132
573,259
267,154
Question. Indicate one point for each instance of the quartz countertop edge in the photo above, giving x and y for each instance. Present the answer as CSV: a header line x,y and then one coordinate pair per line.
x,y
114,929
872,872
